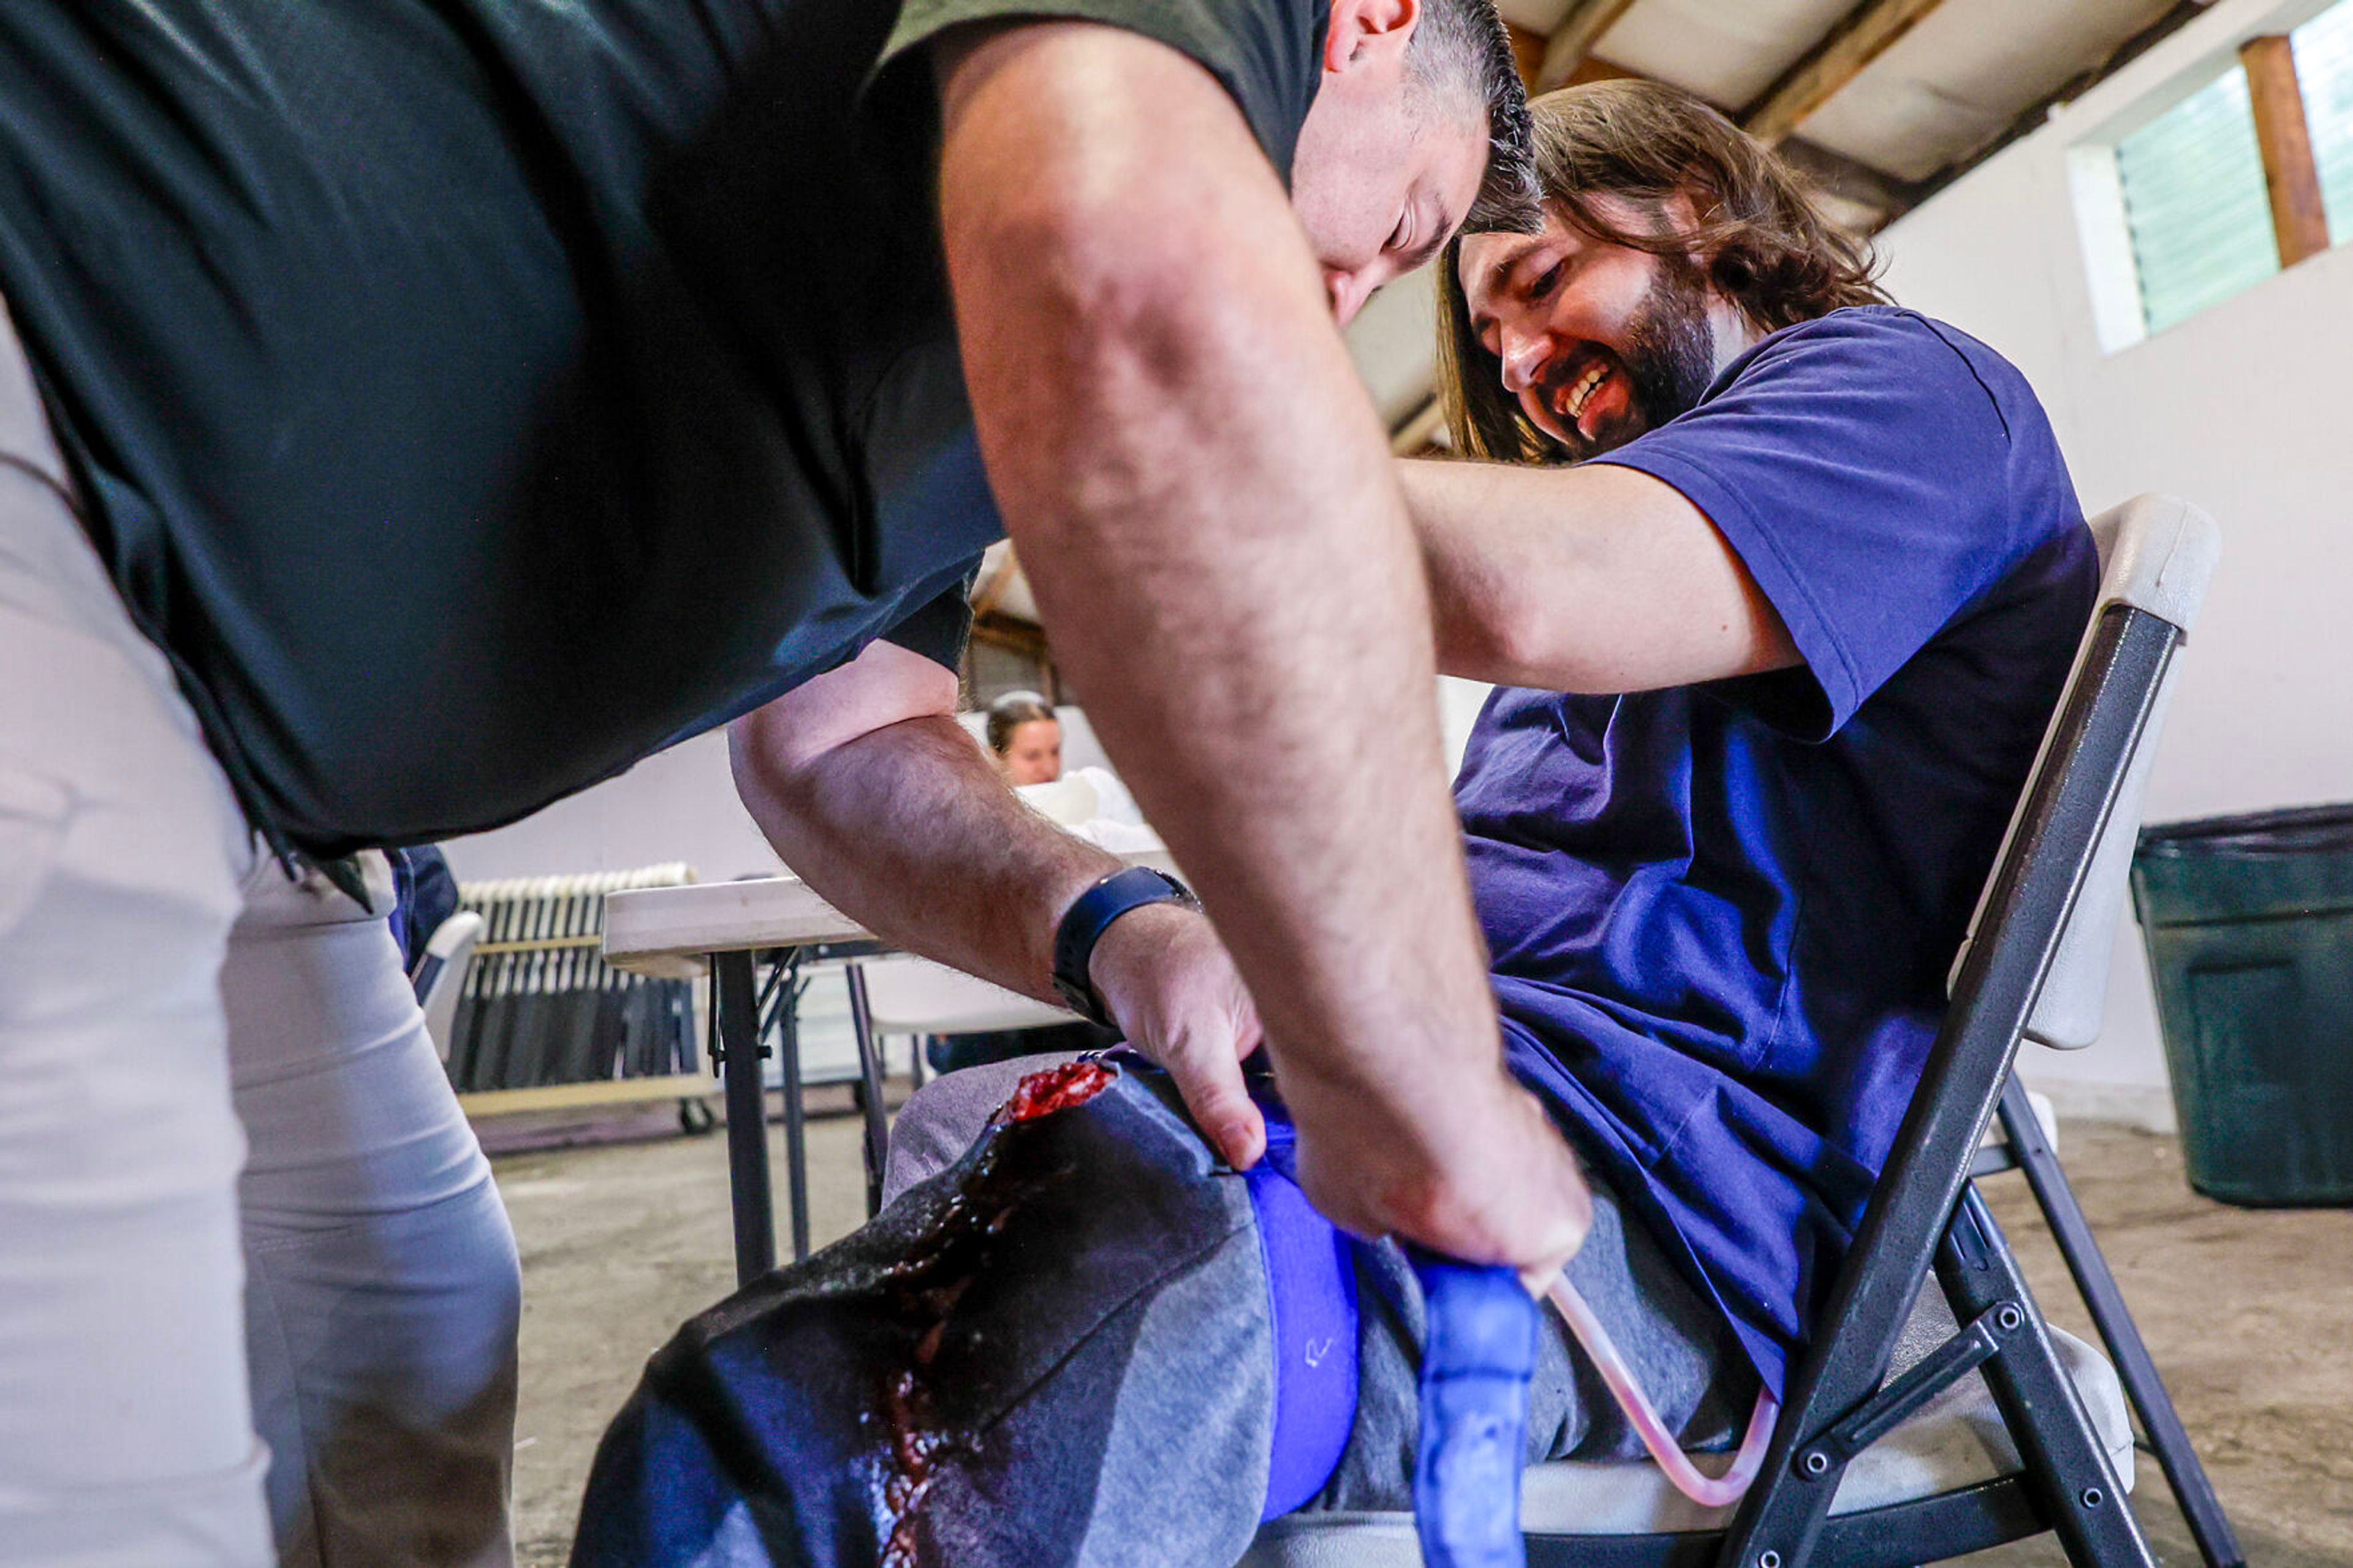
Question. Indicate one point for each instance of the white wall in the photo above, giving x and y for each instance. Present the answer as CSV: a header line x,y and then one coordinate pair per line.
x,y
2246,410
678,804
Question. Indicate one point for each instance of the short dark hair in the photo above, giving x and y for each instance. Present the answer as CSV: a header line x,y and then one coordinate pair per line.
x,y
1760,242
1465,42
1012,710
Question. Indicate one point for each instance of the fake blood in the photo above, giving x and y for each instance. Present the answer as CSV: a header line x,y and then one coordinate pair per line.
x,y
925,1287
1056,1088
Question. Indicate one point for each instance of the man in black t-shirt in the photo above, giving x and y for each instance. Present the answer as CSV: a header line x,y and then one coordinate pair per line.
x,y
676,361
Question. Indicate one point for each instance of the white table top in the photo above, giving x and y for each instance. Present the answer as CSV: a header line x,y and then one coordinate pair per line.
x,y
667,931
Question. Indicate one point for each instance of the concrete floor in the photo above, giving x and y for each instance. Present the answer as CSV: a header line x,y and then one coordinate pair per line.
x,y
2248,1313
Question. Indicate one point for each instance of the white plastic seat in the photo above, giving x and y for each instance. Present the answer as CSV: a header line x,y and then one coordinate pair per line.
x,y
1956,1440
915,996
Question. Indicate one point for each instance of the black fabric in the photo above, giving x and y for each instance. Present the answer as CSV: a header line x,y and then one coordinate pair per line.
x,y
472,396
942,1384
1264,54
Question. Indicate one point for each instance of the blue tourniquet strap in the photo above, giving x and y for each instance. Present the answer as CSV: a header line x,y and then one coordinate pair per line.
x,y
1478,1354
1311,1284
1476,1361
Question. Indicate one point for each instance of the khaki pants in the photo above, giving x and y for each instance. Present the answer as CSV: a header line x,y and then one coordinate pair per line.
x,y
254,1280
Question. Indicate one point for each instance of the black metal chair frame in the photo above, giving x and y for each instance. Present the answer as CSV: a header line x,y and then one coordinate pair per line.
x,y
2025,1149
1925,1215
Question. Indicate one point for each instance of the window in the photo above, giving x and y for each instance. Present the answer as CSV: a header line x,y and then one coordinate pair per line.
x,y
2324,69
2196,224
2195,206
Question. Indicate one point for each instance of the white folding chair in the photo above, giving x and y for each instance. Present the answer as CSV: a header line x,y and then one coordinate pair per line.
x,y
1921,1425
440,974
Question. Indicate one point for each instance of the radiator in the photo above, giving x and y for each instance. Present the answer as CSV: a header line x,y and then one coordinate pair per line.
x,y
541,1004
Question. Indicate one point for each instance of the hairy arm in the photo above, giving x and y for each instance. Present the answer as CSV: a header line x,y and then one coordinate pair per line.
x,y
1596,579
876,796
1203,501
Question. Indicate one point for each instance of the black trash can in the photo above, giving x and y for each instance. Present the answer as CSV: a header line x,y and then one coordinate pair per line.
x,y
2249,922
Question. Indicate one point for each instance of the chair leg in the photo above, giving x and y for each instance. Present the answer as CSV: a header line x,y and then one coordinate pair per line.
x,y
736,1040
2063,1455
787,1025
2208,1526
870,1085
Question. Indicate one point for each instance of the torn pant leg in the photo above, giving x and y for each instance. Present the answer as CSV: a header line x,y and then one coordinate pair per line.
x,y
943,1118
1674,1338
1051,1353
1057,1351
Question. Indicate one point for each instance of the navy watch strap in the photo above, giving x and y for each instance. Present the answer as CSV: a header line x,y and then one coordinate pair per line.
x,y
1089,915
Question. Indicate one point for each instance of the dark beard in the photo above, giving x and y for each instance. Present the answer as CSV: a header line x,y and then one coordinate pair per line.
x,y
1669,358
1670,346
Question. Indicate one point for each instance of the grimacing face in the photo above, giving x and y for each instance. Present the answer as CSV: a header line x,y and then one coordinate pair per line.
x,y
1598,342
1386,165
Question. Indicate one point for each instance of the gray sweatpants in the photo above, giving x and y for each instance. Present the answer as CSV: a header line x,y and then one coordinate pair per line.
x,y
244,1225
1195,1400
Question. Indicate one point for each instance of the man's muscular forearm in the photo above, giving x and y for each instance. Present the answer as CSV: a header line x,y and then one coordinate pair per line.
x,y
878,799
874,795
1203,501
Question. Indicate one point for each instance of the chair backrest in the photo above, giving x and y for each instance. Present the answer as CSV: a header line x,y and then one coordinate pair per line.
x,y
440,974
2159,555
2156,554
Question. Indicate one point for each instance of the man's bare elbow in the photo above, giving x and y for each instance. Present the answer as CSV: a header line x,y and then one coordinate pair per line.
x,y
1515,639
768,774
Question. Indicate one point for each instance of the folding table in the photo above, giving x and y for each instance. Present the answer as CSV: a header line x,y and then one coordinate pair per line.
x,y
730,930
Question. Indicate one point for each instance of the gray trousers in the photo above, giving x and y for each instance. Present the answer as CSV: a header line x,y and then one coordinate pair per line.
x,y
1196,1399
244,1225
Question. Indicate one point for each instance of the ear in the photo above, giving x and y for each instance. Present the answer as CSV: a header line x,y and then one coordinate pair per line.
x,y
1681,209
1364,30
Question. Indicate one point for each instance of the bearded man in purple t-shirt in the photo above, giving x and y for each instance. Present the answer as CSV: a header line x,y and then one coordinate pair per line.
x,y
1773,657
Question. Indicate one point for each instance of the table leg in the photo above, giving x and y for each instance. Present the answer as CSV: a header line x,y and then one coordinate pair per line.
x,y
869,1078
736,1008
788,1059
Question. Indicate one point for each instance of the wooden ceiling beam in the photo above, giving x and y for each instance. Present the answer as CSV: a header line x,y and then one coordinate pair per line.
x,y
1567,45
1527,51
1834,173
1862,35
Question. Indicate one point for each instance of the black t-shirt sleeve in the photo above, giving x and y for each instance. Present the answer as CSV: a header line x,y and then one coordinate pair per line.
x,y
1262,51
939,629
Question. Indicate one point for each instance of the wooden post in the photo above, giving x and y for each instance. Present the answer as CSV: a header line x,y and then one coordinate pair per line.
x,y
1527,53
2299,221
1569,43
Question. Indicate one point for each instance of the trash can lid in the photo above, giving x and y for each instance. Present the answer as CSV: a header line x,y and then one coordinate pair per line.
x,y
2291,830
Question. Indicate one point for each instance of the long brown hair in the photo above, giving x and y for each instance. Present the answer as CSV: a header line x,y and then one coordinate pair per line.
x,y
1760,242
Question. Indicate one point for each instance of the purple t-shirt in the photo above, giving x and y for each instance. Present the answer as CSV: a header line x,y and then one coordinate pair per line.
x,y
1720,916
